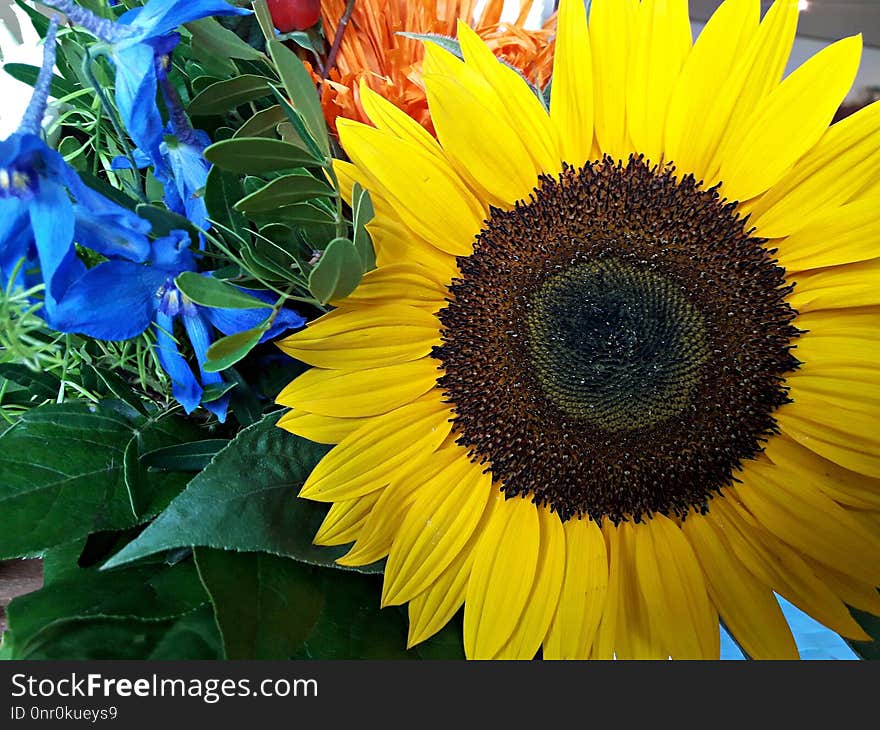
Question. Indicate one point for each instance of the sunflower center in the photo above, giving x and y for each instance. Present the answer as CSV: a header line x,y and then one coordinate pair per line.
x,y
616,346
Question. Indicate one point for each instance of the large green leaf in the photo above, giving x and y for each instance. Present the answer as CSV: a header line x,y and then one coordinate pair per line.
x,y
222,189
88,479
156,592
270,607
246,500
224,96
262,124
257,155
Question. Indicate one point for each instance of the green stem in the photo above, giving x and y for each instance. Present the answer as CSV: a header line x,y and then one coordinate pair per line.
x,y
110,113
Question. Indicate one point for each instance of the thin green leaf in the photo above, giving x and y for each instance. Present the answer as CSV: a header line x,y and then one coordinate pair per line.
x,y
257,155
224,96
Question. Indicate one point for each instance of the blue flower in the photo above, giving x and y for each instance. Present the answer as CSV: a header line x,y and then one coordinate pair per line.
x,y
117,300
45,207
183,169
136,41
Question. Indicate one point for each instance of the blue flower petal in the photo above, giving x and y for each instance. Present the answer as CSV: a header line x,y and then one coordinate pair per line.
x,y
51,216
171,253
116,300
159,17
200,338
184,385
136,87
230,321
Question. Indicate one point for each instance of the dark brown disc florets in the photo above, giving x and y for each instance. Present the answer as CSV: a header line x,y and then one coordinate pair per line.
x,y
616,346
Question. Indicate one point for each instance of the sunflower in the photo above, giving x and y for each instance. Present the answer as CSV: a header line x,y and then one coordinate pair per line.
x,y
373,51
614,380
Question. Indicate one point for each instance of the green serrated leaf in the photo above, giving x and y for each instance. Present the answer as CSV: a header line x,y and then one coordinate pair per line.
x,y
228,350
246,500
285,190
337,273
224,96
301,91
256,155
211,292
54,495
192,456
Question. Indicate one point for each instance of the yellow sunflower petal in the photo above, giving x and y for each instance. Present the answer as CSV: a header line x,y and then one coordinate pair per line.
x,y
789,121
542,603
748,607
853,285
421,186
842,235
806,467
571,103
863,596
612,34
662,43
681,616
401,283
811,522
466,113
843,162
381,335
519,101
756,74
357,393
780,567
504,568
427,471
584,589
322,429
344,520
389,118
706,92
435,529
367,459
430,611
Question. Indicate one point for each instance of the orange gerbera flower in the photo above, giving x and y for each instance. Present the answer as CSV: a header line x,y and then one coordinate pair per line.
x,y
391,64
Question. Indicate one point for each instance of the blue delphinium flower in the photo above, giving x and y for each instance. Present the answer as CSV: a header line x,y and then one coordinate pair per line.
x,y
135,41
117,300
45,207
182,169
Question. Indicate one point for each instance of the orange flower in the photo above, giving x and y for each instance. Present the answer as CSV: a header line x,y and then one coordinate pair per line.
x,y
392,64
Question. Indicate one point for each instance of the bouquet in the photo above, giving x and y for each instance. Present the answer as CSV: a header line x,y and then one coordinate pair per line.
x,y
374,329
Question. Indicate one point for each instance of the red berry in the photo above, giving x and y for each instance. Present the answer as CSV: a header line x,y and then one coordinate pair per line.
x,y
288,15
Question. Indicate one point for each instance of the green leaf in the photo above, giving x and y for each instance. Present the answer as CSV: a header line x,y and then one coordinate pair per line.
x,y
337,273
118,388
38,20
192,456
301,90
302,214
295,130
39,384
362,213
60,562
245,500
308,40
228,350
224,96
256,155
28,74
263,607
270,607
262,124
148,593
211,292
222,189
211,40
445,42
871,625
164,221
285,190
54,495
